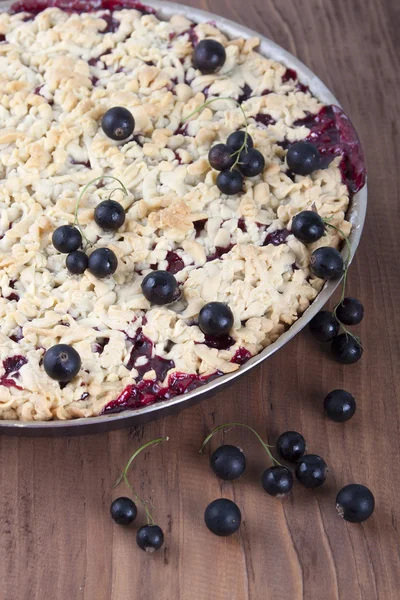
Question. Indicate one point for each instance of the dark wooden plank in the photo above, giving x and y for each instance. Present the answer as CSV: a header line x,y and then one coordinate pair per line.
x,y
57,538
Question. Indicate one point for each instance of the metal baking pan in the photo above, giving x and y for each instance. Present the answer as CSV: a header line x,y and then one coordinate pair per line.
x,y
356,215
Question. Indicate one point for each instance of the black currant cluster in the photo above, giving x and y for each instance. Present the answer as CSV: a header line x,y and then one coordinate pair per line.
x,y
124,511
327,263
354,502
102,262
235,160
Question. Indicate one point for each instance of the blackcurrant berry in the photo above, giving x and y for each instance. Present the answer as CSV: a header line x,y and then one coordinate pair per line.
x,y
160,287
346,349
308,226
324,326
118,123
228,462
220,157
209,56
350,311
326,263
216,318
230,182
303,158
277,481
62,362
223,517
109,215
123,511
102,263
311,470
251,163
339,406
291,445
150,538
66,239
355,503
77,262
236,140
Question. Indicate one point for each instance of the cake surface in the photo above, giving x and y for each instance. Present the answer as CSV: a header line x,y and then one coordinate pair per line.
x,y
60,71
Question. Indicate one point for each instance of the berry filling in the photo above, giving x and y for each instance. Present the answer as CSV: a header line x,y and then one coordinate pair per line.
x,y
148,392
36,6
223,342
241,356
17,336
219,251
276,238
11,367
334,135
143,348
264,119
175,263
246,93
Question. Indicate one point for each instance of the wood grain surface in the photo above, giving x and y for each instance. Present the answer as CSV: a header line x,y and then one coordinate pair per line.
x,y
57,539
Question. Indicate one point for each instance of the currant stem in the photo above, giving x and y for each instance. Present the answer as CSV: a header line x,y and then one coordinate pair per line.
x,y
83,192
264,445
246,135
123,476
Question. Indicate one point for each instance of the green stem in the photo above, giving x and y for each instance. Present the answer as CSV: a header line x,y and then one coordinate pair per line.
x,y
124,477
83,192
246,134
264,445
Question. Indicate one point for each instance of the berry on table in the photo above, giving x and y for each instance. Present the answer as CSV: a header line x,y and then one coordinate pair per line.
x,y
102,263
346,349
236,140
355,503
62,362
118,123
277,480
77,262
326,263
123,511
291,445
339,406
160,287
220,157
311,470
150,538
308,226
109,215
228,462
324,326
209,56
251,163
66,239
230,182
216,318
303,158
223,517
350,311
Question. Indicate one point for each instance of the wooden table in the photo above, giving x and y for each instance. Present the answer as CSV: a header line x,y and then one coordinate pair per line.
x,y
57,539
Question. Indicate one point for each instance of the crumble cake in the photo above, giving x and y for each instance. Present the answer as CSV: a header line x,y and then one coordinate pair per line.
x,y
60,71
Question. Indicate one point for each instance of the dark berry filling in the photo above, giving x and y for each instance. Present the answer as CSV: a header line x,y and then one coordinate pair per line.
x,y
112,24
175,263
246,93
264,119
143,347
289,75
17,336
100,344
219,251
199,226
276,238
241,356
11,367
84,164
334,135
242,225
2,38
148,392
79,6
302,87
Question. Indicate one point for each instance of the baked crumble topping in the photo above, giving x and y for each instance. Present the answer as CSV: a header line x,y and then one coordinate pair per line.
x,y
59,73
